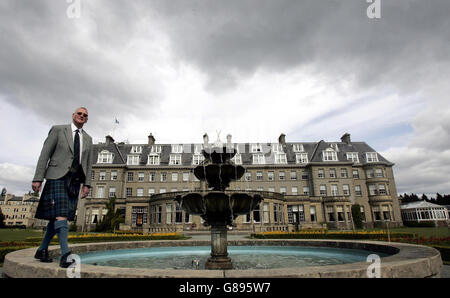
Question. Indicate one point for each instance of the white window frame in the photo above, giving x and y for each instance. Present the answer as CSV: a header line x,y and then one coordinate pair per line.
x,y
197,159
175,159
186,176
112,192
105,157
153,159
301,158
155,149
255,148
113,175
237,159
198,148
353,156
329,155
140,192
371,156
278,148
259,159
174,177
136,149
280,158
176,148
100,191
298,148
133,160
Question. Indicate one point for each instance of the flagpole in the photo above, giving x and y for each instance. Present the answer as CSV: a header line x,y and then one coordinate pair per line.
x,y
114,127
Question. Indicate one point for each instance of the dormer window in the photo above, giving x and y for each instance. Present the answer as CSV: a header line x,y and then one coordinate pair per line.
x,y
198,148
371,157
197,159
301,158
133,160
136,149
156,149
175,159
153,159
258,159
277,148
298,148
256,148
280,158
329,155
237,159
353,156
105,157
177,148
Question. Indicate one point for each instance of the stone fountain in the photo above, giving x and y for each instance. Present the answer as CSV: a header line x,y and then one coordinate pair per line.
x,y
217,206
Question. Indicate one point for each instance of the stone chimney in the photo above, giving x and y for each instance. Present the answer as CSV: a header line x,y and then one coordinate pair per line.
x,y
109,140
282,139
346,138
151,140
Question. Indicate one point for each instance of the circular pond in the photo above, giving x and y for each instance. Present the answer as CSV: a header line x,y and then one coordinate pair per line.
x,y
244,257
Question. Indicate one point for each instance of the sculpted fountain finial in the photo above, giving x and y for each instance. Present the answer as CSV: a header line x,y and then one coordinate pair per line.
x,y
205,140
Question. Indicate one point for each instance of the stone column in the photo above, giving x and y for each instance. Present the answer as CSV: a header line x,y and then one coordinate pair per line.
x,y
219,255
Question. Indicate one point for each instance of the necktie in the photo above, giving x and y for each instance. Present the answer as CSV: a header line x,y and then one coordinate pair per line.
x,y
76,150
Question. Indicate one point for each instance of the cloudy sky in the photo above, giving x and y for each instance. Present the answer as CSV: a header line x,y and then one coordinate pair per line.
x,y
252,68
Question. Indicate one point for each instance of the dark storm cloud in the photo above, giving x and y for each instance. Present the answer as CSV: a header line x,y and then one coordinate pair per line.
x,y
228,39
51,64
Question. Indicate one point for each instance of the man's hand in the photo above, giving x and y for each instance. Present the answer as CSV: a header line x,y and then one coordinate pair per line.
x,y
36,186
84,192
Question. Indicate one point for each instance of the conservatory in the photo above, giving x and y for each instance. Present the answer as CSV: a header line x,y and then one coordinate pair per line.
x,y
423,211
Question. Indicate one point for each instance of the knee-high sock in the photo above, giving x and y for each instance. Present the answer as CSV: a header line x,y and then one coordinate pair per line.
x,y
62,228
49,233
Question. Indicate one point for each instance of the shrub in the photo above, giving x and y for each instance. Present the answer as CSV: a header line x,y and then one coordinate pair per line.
x,y
445,252
357,216
364,235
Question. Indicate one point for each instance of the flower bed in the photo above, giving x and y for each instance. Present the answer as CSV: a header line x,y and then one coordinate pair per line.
x,y
116,237
324,234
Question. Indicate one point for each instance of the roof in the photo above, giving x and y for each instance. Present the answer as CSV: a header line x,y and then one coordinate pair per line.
x,y
313,149
420,204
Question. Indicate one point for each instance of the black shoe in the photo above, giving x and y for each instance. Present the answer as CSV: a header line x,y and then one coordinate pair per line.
x,y
42,254
63,261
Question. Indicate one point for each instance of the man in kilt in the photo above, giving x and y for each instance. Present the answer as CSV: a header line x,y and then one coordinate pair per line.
x,y
65,163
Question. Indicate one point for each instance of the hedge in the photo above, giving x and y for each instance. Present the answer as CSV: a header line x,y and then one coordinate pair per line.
x,y
94,238
331,235
445,252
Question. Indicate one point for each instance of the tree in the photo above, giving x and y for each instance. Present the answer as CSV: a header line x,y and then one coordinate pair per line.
x,y
357,216
425,198
111,220
2,219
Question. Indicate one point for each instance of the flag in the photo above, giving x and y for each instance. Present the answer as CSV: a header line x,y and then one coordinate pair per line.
x,y
116,121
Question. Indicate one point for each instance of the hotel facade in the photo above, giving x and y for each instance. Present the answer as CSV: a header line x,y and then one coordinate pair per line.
x,y
304,185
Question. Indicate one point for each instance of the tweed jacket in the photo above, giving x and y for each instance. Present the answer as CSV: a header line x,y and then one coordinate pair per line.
x,y
57,155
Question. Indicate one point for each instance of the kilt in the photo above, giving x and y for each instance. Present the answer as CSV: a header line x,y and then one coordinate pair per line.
x,y
55,201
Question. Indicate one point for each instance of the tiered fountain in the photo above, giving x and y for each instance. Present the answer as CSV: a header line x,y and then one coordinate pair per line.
x,y
217,206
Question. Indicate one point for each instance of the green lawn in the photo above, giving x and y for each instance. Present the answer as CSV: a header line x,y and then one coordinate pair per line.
x,y
18,234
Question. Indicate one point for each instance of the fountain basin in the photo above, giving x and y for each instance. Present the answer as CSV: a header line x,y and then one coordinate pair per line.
x,y
404,260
